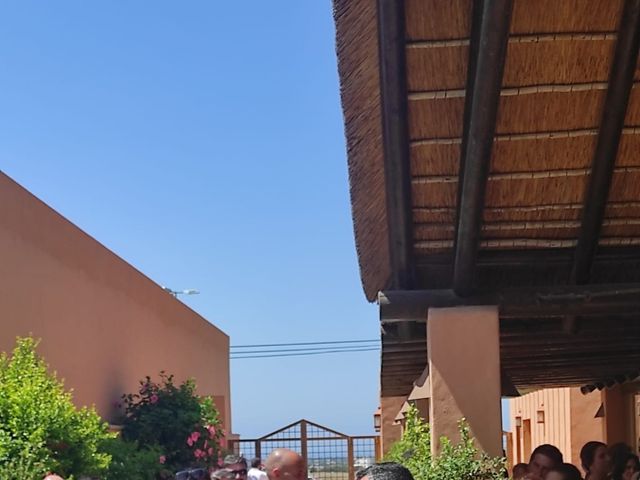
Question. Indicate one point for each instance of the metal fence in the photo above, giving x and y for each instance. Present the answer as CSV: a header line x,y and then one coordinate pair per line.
x,y
330,455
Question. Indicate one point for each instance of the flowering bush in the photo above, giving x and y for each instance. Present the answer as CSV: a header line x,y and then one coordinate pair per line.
x,y
182,425
461,461
40,428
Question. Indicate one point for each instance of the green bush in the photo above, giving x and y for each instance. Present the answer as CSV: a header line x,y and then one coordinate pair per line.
x,y
131,462
461,461
184,426
40,428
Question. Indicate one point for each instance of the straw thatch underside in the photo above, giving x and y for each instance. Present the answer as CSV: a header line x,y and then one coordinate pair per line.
x,y
558,60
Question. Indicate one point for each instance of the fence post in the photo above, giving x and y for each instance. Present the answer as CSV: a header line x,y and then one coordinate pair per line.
x,y
257,449
350,459
303,443
378,448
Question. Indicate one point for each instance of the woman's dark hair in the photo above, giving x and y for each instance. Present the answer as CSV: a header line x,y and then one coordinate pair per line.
x,y
621,464
588,454
568,471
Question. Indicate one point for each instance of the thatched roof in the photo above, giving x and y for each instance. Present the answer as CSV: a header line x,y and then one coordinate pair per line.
x,y
550,210
558,61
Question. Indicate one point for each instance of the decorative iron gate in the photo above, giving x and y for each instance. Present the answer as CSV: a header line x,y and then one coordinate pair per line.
x,y
330,455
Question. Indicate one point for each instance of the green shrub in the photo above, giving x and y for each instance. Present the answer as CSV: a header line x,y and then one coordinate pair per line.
x,y
461,461
131,462
184,426
40,428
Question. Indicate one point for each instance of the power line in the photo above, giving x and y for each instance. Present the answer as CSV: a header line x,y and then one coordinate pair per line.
x,y
362,349
307,349
304,343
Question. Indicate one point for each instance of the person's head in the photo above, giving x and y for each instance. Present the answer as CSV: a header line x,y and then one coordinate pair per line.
x,y
595,459
285,464
53,477
384,471
625,467
192,474
256,462
237,465
223,474
619,452
565,471
544,458
520,470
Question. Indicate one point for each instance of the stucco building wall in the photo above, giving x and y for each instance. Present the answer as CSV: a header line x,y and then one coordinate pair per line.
x,y
103,324
572,419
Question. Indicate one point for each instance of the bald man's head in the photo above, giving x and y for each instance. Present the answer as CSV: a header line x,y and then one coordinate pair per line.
x,y
284,464
53,477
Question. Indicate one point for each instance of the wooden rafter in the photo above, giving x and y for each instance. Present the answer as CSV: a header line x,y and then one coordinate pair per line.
x,y
532,302
479,132
615,107
391,39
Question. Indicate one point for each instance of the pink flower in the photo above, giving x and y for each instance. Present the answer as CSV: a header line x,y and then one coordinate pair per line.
x,y
153,398
193,438
212,430
210,451
199,453
162,459
220,462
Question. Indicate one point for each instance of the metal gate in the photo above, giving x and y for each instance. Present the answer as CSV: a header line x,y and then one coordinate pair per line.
x,y
330,455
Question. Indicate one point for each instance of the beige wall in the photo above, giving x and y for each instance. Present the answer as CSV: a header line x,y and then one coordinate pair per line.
x,y
103,324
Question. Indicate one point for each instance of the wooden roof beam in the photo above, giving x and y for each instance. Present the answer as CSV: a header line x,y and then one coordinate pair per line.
x,y
615,107
479,129
393,85
400,307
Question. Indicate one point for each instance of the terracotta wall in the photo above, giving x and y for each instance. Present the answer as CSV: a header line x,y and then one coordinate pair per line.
x,y
103,324
571,419
555,403
390,432
587,422
618,411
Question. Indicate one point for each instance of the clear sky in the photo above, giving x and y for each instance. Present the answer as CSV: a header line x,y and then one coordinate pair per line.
x,y
203,142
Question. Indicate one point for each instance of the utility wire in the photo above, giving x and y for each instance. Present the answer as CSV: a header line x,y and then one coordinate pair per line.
x,y
307,349
304,343
362,349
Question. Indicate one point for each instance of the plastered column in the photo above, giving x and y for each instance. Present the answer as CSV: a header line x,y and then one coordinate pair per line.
x,y
389,432
464,365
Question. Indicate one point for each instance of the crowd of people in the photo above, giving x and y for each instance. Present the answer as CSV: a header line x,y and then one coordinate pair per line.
x,y
598,461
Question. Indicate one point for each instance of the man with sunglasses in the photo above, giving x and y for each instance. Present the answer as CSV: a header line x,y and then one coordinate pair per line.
x,y
237,465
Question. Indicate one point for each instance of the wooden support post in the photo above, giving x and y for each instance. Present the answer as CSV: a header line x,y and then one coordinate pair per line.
x,y
258,449
303,442
350,459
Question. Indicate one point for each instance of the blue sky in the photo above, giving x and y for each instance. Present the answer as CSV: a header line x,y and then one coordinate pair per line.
x,y
203,142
